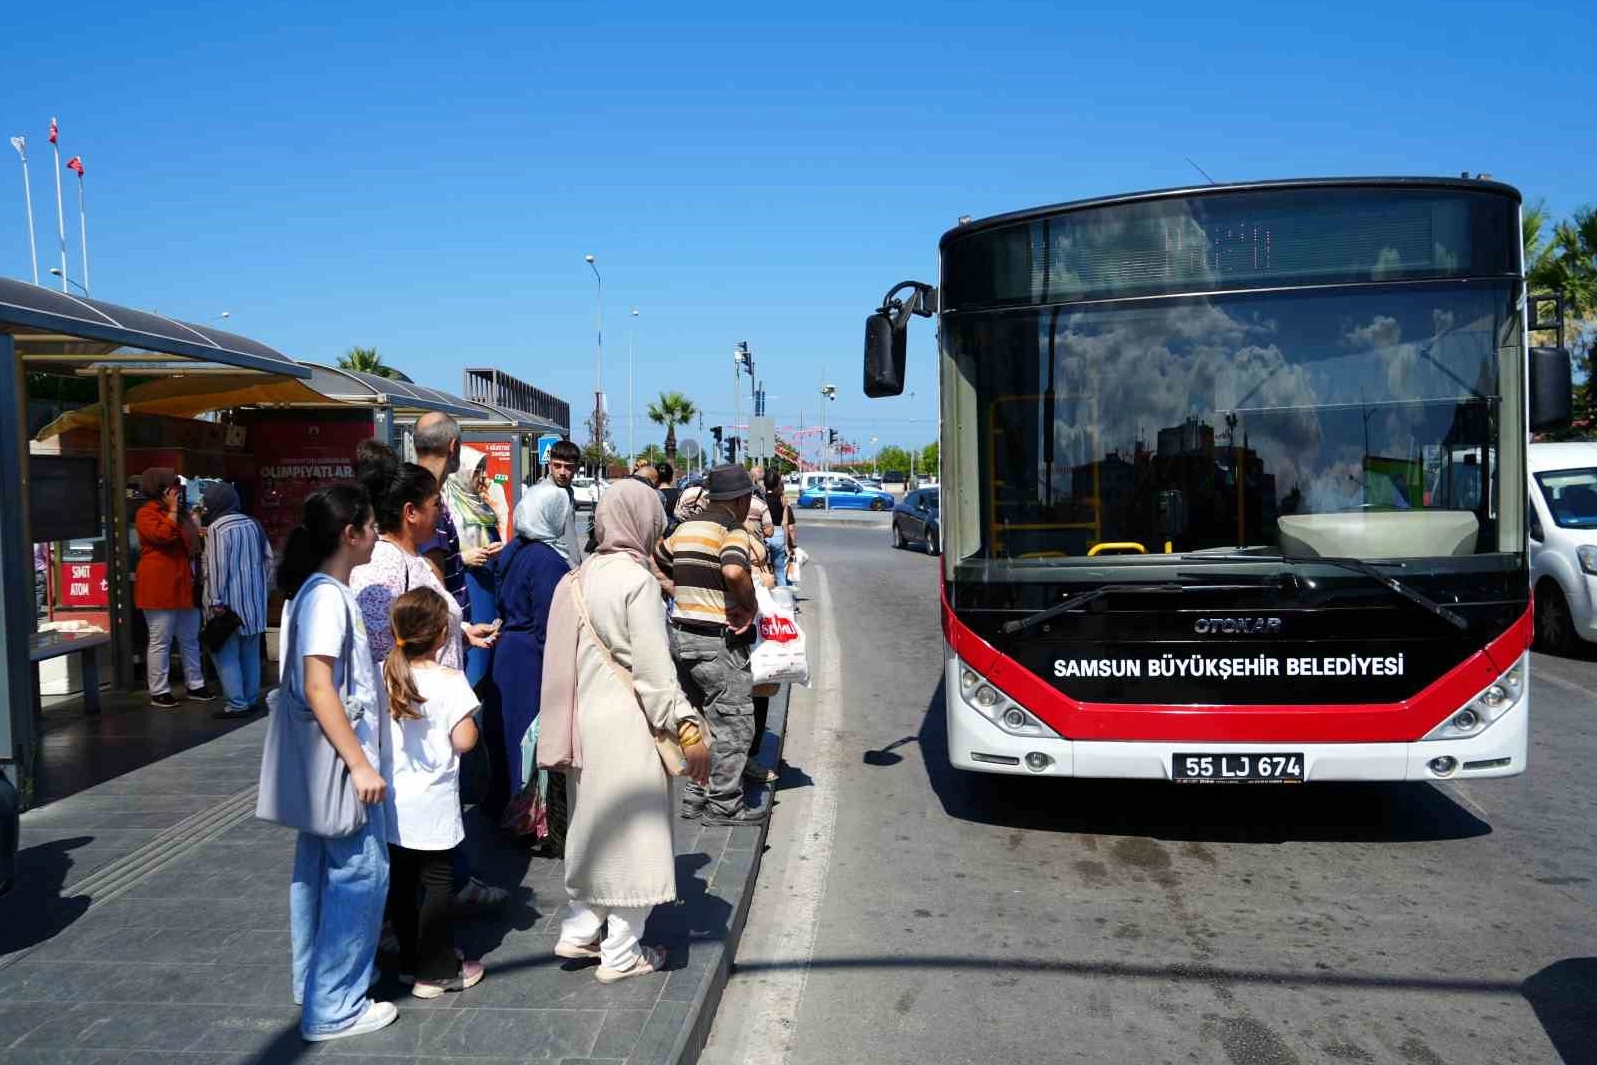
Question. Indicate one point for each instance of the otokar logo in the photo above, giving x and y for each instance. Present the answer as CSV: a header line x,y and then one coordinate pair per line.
x,y
1237,626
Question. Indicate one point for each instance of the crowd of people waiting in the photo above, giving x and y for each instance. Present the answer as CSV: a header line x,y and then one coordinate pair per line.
x,y
412,633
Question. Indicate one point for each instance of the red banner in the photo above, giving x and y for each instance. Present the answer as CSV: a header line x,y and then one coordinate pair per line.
x,y
83,584
294,457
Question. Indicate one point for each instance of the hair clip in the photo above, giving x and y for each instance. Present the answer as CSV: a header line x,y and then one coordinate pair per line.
x,y
399,641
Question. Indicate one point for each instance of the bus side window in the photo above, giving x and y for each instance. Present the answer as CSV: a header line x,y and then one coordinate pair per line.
x,y
1535,520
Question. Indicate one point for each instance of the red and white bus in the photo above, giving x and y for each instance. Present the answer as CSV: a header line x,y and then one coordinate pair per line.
x,y
1188,443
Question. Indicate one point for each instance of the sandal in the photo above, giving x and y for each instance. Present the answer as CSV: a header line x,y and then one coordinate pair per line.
x,y
649,961
476,895
564,949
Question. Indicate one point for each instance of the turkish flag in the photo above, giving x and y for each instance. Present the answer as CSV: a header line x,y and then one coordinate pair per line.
x,y
76,164
53,132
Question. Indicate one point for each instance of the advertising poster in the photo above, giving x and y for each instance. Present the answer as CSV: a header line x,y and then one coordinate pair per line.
x,y
502,485
294,457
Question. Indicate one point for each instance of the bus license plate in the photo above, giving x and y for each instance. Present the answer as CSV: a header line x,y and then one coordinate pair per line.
x,y
1238,768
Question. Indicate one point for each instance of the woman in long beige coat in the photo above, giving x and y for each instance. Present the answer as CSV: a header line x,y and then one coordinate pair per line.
x,y
619,858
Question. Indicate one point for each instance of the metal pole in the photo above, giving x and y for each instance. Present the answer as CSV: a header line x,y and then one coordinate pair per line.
x,y
83,232
60,215
598,363
113,472
21,145
17,743
632,442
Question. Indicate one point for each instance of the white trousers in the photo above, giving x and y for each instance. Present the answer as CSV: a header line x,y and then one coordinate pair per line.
x,y
162,625
620,949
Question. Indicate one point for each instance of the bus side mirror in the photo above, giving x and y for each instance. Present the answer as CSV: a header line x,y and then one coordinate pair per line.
x,y
884,356
1551,388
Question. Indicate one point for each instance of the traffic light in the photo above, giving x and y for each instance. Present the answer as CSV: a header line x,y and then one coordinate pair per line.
x,y
732,443
715,431
831,436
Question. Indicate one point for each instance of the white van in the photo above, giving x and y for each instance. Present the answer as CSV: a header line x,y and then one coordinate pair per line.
x,y
814,477
1563,543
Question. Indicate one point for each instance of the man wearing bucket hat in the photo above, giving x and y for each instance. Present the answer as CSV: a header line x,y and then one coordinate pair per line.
x,y
708,560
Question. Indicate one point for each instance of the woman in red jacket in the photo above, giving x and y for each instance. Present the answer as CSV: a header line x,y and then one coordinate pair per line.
x,y
163,585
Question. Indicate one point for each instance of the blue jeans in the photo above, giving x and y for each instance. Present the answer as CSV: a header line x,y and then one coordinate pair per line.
x,y
778,545
238,665
335,917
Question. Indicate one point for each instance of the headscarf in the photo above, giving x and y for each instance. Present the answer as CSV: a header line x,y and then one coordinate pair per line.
x,y
220,498
628,519
543,516
474,518
691,501
154,482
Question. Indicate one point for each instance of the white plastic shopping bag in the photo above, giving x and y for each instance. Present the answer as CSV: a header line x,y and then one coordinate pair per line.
x,y
779,656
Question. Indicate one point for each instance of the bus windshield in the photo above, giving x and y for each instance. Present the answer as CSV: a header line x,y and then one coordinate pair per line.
x,y
1364,421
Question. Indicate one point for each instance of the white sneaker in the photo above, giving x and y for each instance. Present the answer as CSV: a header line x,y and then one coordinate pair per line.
x,y
378,1015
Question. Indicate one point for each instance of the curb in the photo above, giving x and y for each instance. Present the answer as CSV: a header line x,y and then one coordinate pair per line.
x,y
695,1033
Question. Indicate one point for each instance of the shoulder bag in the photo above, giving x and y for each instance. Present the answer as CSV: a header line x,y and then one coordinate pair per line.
x,y
665,744
305,784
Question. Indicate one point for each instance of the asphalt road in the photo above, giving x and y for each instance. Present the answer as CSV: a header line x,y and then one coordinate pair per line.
x,y
907,912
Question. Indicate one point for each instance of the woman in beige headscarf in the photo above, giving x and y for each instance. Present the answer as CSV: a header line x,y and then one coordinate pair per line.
x,y
619,858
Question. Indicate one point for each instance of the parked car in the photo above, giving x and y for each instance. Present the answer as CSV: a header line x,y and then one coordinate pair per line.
x,y
894,478
585,491
1563,543
873,483
915,521
844,494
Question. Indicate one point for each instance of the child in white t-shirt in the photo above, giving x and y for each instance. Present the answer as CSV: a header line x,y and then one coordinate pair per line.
x,y
430,727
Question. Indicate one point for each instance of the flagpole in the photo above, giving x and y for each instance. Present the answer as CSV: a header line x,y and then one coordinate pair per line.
x,y
83,230
60,214
20,143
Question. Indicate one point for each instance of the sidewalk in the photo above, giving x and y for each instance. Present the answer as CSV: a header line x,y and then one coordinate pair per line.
x,y
151,925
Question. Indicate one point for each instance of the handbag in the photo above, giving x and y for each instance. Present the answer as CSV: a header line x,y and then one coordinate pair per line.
x,y
305,784
666,745
219,628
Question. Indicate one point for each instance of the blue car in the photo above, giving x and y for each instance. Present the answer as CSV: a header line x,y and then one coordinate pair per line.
x,y
915,521
844,493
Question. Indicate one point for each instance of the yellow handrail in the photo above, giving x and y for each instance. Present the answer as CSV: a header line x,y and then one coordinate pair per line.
x,y
1129,547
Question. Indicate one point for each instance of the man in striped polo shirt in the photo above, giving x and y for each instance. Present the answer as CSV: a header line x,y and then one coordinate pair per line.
x,y
707,559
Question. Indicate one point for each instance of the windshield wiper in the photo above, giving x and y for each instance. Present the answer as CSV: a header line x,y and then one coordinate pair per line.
x,y
1081,599
1357,566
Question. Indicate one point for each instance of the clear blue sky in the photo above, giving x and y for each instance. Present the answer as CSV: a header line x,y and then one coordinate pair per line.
x,y
426,178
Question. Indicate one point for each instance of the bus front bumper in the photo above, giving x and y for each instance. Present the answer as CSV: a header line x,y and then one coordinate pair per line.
x,y
979,745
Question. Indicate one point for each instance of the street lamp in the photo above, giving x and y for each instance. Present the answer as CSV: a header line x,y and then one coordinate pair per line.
x,y
598,356
56,270
632,443
830,394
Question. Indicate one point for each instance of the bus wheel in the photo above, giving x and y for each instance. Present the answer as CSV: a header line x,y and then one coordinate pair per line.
x,y
1555,629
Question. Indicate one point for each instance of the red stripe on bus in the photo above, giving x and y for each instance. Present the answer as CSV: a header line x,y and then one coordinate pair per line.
x,y
1402,721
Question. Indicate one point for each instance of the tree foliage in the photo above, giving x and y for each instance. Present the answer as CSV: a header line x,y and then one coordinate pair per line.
x,y
893,459
366,360
928,459
1565,261
671,410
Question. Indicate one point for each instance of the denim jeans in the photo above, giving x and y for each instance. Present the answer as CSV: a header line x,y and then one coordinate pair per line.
x,y
335,916
162,624
238,664
778,546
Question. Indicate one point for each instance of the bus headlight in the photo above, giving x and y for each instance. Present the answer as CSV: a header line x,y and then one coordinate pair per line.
x,y
1499,697
976,693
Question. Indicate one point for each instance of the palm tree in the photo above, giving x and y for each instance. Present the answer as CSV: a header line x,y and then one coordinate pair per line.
x,y
367,360
671,410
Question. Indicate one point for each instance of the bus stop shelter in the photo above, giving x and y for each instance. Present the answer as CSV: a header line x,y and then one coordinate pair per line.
x,y
40,329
